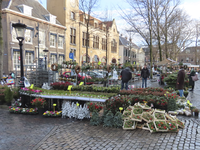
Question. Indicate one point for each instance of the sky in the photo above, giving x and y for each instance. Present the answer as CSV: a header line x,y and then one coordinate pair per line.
x,y
190,6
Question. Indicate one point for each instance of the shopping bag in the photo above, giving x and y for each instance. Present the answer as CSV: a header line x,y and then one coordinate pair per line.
x,y
195,78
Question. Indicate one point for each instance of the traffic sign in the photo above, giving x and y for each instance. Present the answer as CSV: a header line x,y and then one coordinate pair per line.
x,y
71,56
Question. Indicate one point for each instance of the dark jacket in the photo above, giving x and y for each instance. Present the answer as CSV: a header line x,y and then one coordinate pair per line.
x,y
145,73
191,82
180,80
126,75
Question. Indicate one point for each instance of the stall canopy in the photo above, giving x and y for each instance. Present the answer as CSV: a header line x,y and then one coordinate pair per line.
x,y
166,62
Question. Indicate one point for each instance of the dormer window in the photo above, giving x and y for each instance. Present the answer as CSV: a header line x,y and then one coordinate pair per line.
x,y
25,9
51,18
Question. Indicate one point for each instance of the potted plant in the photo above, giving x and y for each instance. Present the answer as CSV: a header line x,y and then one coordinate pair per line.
x,y
196,112
39,103
8,96
16,94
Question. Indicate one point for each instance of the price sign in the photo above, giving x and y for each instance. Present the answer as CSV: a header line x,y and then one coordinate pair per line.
x,y
99,63
69,87
32,85
81,83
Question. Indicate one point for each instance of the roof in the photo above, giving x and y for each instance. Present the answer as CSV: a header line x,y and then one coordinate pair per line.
x,y
123,41
38,10
108,23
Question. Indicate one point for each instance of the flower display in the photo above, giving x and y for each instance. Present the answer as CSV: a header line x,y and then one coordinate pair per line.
x,y
172,126
14,109
128,109
29,111
30,91
151,127
136,117
181,124
129,123
137,111
126,114
60,85
161,125
147,117
38,102
94,106
159,116
52,114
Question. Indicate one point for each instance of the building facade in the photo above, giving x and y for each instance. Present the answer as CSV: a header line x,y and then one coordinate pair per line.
x,y
43,31
190,55
70,16
130,52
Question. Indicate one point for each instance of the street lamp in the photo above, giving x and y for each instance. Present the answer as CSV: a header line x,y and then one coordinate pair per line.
x,y
20,32
45,56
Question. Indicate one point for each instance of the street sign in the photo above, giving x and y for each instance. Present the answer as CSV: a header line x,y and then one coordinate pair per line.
x,y
71,56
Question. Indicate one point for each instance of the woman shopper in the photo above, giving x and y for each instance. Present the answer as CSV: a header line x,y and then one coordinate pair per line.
x,y
191,82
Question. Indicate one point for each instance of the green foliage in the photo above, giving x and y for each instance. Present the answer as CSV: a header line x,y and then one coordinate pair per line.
x,y
108,120
16,93
95,119
117,120
128,64
8,95
171,105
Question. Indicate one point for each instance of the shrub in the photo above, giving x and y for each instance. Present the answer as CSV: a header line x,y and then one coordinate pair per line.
x,y
95,119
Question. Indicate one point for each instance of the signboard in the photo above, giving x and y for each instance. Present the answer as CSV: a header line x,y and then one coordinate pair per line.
x,y
71,56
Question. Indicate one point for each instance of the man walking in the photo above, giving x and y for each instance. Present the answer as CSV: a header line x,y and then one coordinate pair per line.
x,y
144,74
126,76
180,81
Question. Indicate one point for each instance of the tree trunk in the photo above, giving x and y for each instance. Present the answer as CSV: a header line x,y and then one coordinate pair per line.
x,y
1,44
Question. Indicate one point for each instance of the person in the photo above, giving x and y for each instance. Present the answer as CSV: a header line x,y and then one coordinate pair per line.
x,y
180,81
144,75
126,76
191,82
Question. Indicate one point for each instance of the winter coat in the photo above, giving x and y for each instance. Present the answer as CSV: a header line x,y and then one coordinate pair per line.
x,y
145,73
126,75
191,82
180,79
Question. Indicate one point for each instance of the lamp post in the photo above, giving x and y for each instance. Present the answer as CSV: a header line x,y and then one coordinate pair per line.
x,y
45,56
20,32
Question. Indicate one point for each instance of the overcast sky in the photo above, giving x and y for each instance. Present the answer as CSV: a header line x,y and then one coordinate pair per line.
x,y
191,7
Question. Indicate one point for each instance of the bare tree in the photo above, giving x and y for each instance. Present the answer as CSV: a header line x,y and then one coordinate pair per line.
x,y
87,6
1,44
140,18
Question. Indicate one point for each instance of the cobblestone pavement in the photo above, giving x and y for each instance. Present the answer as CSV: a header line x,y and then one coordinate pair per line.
x,y
27,132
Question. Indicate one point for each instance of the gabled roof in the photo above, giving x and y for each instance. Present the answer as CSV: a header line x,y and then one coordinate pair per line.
x,y
38,10
123,41
108,23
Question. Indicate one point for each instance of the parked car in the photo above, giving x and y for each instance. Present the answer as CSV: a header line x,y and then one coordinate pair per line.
x,y
83,75
94,74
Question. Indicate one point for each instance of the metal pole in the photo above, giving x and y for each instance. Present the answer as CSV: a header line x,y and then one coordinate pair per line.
x,y
21,63
38,45
45,63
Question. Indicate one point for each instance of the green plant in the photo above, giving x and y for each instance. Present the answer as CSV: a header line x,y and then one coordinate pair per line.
x,y
16,93
95,119
117,120
108,120
8,95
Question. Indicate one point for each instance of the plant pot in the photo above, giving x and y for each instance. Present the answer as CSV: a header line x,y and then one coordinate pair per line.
x,y
40,111
196,113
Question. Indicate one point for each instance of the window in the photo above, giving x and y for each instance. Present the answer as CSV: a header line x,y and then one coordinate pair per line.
x,y
181,60
84,39
96,42
187,51
191,60
126,52
60,59
95,25
25,9
14,36
103,60
103,44
16,55
187,59
95,59
42,37
114,46
60,41
73,15
53,58
28,36
28,58
72,36
53,40
73,51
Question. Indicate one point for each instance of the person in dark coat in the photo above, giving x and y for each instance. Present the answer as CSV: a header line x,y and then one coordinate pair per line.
x,y
126,76
145,74
180,81
191,82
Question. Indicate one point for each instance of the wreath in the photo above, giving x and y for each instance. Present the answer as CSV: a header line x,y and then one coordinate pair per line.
x,y
54,67
109,68
77,69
